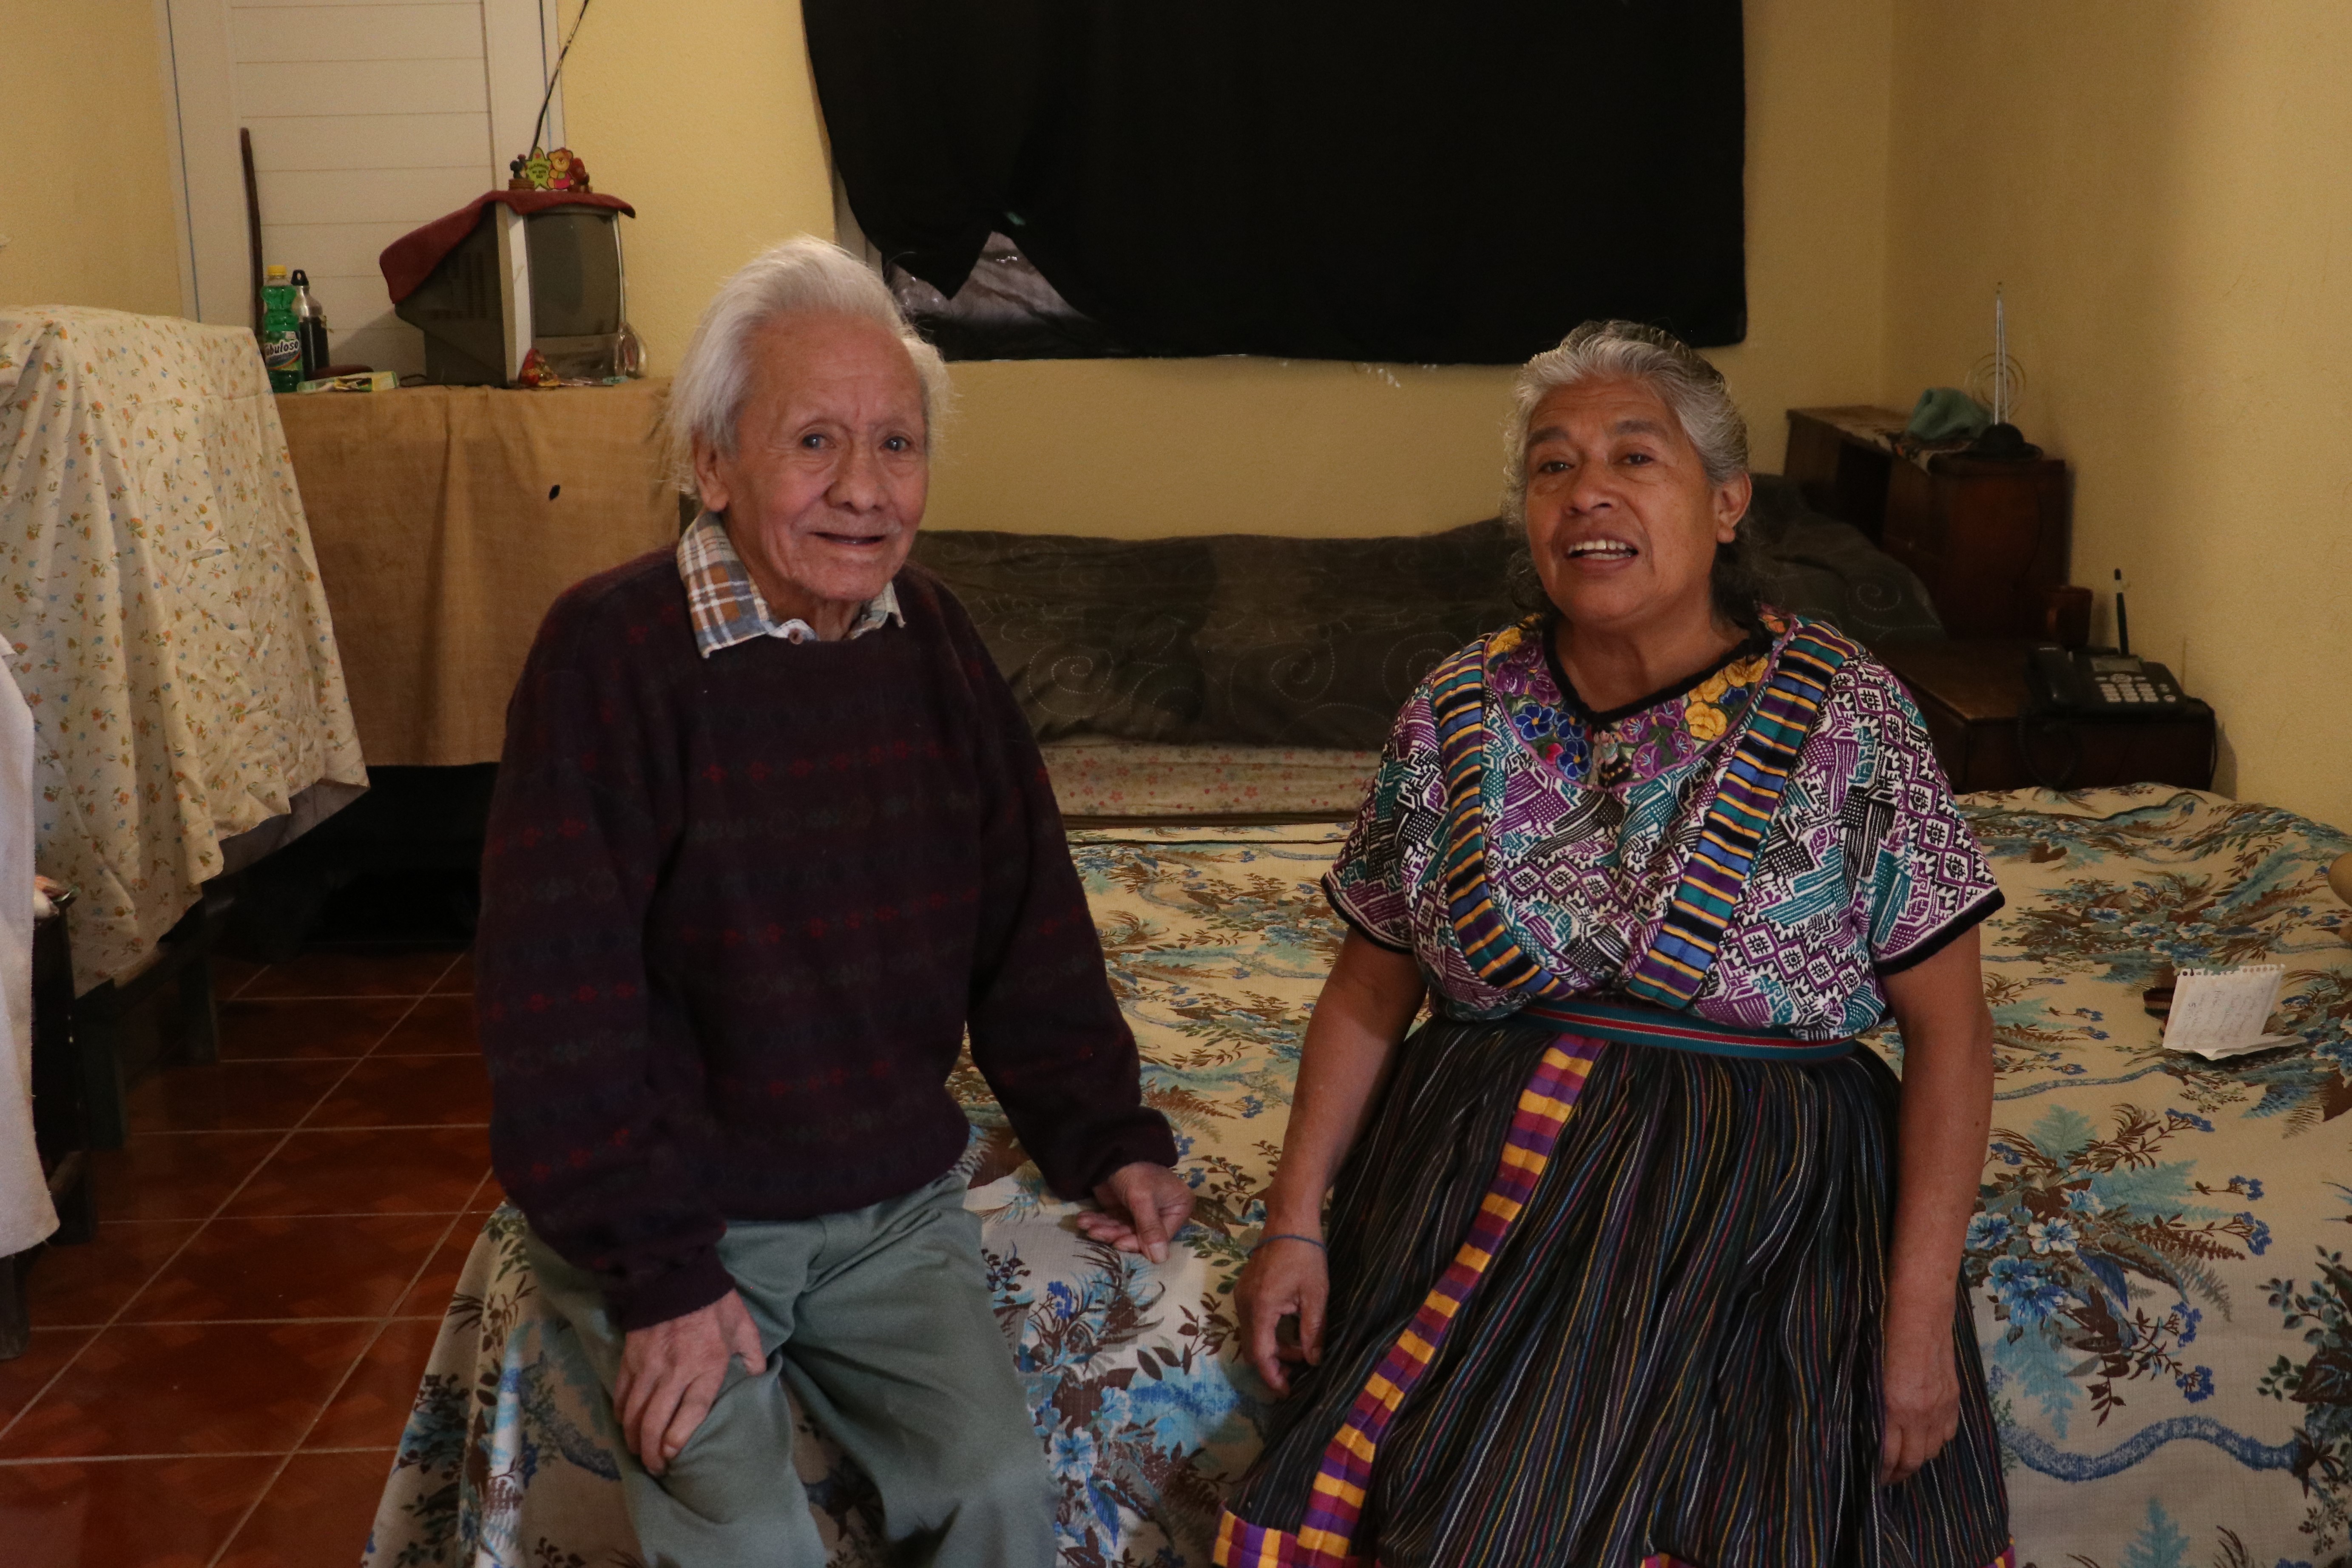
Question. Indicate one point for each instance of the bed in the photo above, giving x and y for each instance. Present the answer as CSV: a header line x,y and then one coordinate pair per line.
x,y
2156,1270
161,604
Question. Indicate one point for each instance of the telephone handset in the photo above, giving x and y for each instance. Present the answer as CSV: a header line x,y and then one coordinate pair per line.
x,y
2102,685
2084,684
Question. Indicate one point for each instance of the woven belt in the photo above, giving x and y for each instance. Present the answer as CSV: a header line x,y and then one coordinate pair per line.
x,y
1632,1024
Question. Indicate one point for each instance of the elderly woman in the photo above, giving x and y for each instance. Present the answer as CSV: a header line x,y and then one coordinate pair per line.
x,y
1633,1256
770,836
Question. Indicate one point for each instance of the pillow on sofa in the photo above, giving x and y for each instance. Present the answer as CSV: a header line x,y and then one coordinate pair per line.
x,y
1094,636
1240,639
1830,571
1317,642
1253,639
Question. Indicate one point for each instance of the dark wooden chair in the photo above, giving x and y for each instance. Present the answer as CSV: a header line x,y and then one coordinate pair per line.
x,y
183,961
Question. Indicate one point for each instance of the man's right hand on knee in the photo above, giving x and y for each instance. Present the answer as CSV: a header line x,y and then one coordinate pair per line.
x,y
671,1371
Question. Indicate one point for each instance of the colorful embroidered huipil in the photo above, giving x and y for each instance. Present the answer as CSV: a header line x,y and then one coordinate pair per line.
x,y
1591,821
1656,1235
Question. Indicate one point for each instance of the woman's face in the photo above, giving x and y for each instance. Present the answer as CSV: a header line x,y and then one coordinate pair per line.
x,y
1621,518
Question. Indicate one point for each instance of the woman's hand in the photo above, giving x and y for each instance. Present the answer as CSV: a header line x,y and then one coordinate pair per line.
x,y
1940,1151
1283,1279
1921,1390
1365,1008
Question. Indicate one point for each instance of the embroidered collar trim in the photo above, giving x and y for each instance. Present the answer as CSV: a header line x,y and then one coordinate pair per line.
x,y
1628,744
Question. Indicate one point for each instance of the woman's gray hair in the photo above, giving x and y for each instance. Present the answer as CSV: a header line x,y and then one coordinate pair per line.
x,y
1686,383
806,274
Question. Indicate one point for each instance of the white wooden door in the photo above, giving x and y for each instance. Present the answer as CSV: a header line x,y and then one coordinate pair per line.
x,y
369,117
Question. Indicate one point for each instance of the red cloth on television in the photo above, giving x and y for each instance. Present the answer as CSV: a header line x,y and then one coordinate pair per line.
x,y
410,260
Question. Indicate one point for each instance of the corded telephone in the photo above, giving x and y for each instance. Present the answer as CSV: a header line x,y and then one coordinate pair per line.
x,y
2083,684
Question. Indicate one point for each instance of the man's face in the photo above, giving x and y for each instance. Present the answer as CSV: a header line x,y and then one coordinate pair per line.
x,y
826,484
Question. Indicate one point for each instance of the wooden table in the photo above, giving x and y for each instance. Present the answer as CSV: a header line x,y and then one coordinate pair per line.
x,y
1989,539
1972,692
447,519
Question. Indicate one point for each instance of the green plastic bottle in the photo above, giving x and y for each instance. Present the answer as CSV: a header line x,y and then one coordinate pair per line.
x,y
281,331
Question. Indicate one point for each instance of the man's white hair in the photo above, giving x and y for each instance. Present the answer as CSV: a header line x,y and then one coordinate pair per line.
x,y
806,274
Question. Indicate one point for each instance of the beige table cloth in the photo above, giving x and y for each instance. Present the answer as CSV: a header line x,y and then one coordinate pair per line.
x,y
163,610
447,519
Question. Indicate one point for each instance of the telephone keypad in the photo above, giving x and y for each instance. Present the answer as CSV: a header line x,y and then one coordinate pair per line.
x,y
2135,690
2113,684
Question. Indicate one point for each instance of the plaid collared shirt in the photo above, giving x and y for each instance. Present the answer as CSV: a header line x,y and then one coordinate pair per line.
x,y
726,605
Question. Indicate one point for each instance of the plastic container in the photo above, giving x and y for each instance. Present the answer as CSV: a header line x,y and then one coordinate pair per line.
x,y
310,325
281,331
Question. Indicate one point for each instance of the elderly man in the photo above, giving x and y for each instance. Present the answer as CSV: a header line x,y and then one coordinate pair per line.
x,y
770,836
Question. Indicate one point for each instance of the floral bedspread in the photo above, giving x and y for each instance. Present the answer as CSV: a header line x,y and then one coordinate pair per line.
x,y
1098,776
2158,1269
162,609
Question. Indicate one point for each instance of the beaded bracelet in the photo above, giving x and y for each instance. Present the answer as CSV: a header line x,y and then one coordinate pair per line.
x,y
1287,1236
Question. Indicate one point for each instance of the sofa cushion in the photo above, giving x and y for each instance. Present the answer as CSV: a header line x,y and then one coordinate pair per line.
x,y
1253,639
1094,636
1317,642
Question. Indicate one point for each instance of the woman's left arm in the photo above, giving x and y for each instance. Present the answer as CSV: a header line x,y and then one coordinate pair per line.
x,y
1945,1118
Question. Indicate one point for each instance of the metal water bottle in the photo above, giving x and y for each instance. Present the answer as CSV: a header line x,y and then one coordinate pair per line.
x,y
310,325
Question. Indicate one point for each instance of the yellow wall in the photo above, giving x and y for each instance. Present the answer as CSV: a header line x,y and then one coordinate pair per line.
x,y
2165,188
700,116
2162,184
705,119
85,170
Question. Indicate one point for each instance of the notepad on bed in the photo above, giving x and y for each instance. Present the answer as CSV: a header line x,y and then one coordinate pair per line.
x,y
2218,1013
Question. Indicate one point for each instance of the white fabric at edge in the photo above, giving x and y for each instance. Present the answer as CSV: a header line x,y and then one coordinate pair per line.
x,y
26,1215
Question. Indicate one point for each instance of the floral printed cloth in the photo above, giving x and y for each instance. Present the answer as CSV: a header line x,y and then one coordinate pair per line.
x,y
1590,822
2158,1270
2158,1264
1095,775
159,592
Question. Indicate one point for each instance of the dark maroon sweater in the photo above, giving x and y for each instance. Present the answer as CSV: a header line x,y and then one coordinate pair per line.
x,y
737,914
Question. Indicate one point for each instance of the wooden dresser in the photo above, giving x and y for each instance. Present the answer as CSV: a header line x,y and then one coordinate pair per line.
x,y
1989,539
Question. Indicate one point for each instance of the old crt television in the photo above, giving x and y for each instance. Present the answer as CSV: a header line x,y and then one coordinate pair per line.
x,y
550,280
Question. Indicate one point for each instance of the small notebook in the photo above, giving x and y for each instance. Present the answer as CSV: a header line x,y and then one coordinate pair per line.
x,y
2218,1013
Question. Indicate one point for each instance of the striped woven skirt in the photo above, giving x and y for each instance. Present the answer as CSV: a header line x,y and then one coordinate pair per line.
x,y
1660,1343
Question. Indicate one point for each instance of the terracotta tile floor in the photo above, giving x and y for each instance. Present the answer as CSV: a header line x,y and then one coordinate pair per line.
x,y
219,1380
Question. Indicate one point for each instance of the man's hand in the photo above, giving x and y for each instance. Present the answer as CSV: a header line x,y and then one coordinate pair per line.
x,y
671,1372
1143,1205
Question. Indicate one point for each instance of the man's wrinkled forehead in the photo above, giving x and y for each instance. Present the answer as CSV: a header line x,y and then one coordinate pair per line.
x,y
802,337
809,354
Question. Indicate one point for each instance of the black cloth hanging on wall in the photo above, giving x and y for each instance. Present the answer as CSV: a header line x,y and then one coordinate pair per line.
x,y
1438,182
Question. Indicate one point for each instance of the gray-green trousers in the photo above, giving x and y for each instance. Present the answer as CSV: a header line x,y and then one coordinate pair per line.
x,y
879,1322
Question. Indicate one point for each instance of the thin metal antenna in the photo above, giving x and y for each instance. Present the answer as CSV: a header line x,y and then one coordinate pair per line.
x,y
1999,352
547,98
